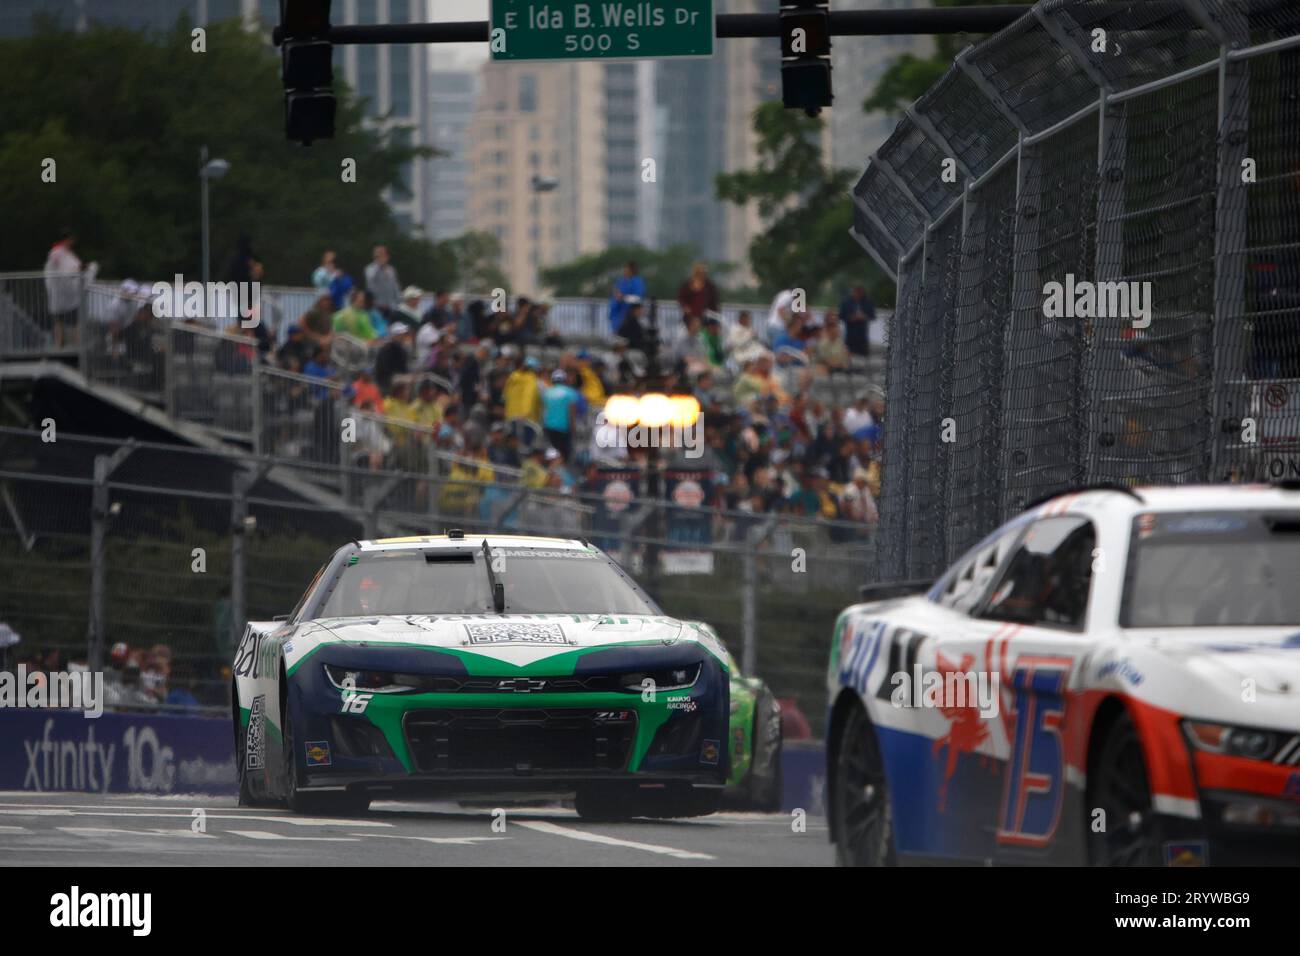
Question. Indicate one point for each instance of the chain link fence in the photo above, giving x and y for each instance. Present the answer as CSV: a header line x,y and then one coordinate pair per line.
x,y
1094,222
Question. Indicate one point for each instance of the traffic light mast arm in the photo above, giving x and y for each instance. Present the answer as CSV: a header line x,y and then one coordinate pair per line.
x,y
844,23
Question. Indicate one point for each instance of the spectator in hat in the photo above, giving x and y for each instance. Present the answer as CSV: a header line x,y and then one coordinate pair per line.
x,y
857,503
627,284
381,281
502,446
438,313
296,351
560,412
409,310
394,356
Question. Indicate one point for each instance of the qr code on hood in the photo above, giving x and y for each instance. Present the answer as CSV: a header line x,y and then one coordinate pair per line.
x,y
515,633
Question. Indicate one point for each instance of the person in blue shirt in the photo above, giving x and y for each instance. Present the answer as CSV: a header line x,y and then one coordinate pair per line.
x,y
629,283
340,287
560,412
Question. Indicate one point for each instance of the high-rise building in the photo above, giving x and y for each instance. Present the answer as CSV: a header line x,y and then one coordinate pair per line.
x,y
451,108
391,78
706,112
538,171
857,64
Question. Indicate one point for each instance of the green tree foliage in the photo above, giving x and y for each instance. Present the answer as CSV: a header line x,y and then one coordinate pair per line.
x,y
806,210
594,274
124,114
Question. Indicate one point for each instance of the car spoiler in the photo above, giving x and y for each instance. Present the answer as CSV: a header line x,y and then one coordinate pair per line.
x,y
880,591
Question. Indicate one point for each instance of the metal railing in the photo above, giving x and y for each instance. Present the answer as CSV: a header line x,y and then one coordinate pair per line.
x,y
1092,144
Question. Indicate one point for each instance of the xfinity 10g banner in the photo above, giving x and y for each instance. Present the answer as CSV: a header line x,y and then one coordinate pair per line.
x,y
45,750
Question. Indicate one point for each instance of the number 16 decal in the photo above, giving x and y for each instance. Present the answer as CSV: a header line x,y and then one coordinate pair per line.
x,y
1034,785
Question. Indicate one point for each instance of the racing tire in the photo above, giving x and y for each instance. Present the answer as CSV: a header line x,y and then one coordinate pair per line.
x,y
1119,786
767,792
331,802
863,816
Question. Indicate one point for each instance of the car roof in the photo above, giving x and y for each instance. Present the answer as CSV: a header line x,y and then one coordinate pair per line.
x,y
474,541
1173,498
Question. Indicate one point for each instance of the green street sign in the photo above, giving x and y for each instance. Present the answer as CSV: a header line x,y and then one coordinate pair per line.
x,y
600,29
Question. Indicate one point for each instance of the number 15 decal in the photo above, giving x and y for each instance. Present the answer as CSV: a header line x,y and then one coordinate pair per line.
x,y
1034,785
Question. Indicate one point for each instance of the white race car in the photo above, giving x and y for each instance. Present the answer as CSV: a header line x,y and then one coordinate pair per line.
x,y
1112,677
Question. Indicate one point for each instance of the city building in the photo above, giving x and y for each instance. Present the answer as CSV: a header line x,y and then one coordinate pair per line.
x,y
451,107
857,64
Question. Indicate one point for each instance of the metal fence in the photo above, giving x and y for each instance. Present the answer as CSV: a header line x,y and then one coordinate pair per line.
x,y
1104,146
106,541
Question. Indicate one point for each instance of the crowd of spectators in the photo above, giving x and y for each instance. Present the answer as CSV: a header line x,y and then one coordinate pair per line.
x,y
503,397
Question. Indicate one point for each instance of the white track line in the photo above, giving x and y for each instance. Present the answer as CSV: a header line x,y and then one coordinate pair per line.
x,y
152,831
587,837
268,835
292,821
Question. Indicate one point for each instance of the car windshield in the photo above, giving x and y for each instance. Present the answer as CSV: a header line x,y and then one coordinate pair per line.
x,y
456,581
1213,569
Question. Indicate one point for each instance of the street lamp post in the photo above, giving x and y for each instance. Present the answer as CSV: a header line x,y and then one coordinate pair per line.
x,y
209,169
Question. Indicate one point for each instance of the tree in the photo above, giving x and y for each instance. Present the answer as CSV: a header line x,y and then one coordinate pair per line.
x,y
123,117
593,274
476,262
806,209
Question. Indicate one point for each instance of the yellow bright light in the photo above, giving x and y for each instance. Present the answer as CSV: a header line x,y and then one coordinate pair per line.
x,y
652,411
622,410
656,410
686,411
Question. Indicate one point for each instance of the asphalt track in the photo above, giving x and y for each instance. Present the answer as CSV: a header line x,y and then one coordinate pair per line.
x,y
81,829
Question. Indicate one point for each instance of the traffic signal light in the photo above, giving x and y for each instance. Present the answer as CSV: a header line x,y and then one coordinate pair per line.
x,y
805,55
307,61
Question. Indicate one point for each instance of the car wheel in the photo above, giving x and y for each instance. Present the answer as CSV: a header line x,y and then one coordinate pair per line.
x,y
766,790
334,802
864,823
1118,786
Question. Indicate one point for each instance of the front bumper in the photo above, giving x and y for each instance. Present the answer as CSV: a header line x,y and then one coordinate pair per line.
x,y
469,740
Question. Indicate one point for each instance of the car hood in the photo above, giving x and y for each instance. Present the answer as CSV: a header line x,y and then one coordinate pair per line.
x,y
519,639
1268,655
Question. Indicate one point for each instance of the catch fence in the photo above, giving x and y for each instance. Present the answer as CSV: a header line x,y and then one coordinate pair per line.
x,y
1094,222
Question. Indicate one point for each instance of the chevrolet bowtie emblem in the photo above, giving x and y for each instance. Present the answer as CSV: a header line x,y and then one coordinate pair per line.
x,y
521,685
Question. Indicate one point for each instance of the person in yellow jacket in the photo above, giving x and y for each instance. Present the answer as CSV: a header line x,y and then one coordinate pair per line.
x,y
522,393
589,383
534,475
457,496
